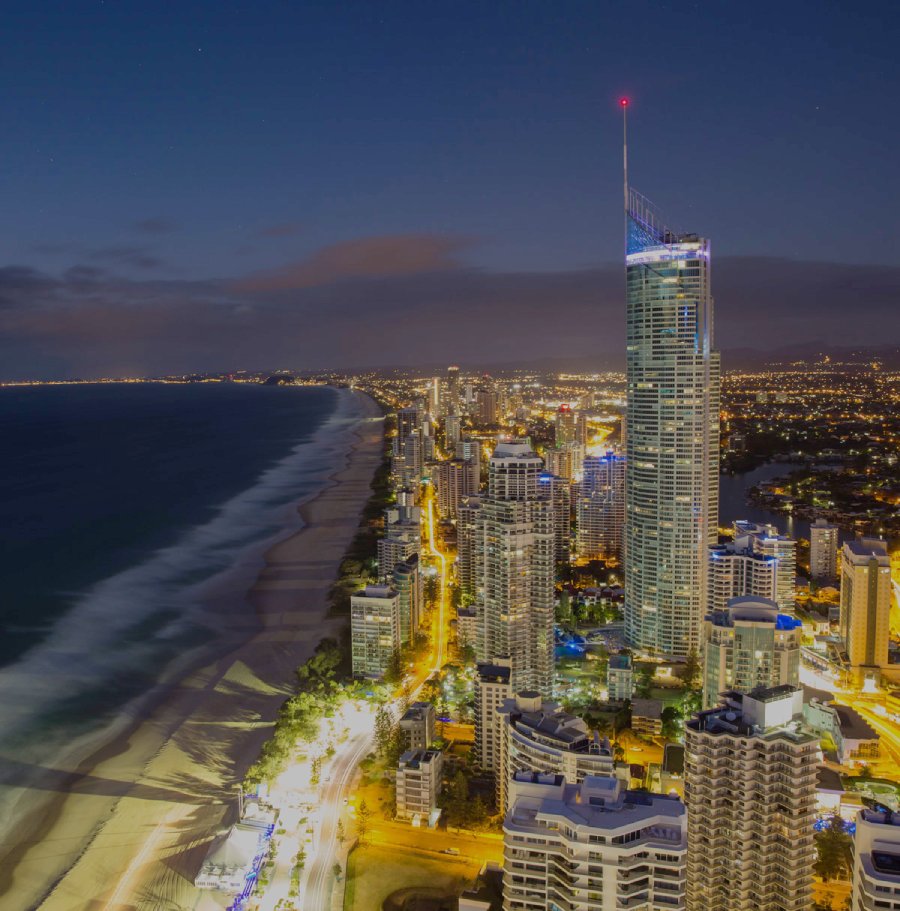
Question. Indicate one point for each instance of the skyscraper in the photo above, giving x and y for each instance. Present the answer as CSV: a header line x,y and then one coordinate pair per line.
x,y
672,413
750,788
748,645
565,425
593,846
600,507
865,606
823,548
453,390
514,572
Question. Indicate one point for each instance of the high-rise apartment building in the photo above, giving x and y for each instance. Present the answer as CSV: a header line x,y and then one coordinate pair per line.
x,y
750,788
374,629
407,582
823,551
672,412
749,645
469,544
435,398
865,606
758,562
876,861
453,480
515,568
488,407
600,507
565,461
453,390
538,736
593,846
452,429
559,492
565,425
765,541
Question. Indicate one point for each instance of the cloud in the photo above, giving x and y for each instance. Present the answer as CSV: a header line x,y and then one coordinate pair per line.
x,y
364,258
406,301
139,257
155,225
285,229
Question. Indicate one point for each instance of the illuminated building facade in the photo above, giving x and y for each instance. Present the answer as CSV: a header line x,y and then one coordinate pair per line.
x,y
672,413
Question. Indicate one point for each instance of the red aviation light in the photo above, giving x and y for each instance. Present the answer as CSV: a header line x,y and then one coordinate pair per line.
x,y
623,102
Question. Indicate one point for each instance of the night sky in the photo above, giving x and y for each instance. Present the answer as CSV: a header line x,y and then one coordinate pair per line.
x,y
216,185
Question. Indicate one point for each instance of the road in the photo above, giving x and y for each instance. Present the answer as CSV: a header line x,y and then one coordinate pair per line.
x,y
317,880
315,887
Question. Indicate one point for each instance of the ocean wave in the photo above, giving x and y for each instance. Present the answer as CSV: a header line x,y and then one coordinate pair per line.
x,y
128,625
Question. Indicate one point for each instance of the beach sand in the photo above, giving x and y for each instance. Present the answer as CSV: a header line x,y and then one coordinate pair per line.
x,y
129,827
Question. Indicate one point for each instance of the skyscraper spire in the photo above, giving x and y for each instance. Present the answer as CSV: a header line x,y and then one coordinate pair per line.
x,y
623,103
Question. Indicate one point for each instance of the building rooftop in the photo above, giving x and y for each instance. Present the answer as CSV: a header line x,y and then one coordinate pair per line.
x,y
646,708
864,548
494,673
418,711
415,759
620,662
598,802
853,725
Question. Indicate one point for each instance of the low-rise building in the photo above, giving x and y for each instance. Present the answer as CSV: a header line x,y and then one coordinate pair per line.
x,y
466,627
856,741
646,717
620,678
593,846
418,785
417,726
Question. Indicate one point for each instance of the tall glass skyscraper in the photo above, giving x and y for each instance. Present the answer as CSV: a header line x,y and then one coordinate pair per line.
x,y
672,464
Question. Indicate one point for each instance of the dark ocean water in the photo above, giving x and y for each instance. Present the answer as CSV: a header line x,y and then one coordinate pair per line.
x,y
117,503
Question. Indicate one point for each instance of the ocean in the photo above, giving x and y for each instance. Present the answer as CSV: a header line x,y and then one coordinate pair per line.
x,y
123,508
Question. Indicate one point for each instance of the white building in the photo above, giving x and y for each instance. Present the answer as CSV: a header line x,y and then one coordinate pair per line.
x,y
764,540
538,736
865,606
592,846
748,645
672,448
374,629
750,789
418,785
823,551
559,492
876,861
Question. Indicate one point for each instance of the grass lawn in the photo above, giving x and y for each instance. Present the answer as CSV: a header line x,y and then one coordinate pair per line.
x,y
374,873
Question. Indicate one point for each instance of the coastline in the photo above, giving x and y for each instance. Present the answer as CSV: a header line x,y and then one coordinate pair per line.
x,y
128,823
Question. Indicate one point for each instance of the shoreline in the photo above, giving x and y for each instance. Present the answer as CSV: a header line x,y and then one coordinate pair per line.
x,y
163,785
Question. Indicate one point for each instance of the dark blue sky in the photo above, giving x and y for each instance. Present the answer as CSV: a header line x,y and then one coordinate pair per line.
x,y
168,152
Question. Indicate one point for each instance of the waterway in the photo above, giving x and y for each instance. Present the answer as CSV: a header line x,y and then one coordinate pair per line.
x,y
734,505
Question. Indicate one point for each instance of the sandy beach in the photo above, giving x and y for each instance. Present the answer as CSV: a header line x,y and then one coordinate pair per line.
x,y
128,827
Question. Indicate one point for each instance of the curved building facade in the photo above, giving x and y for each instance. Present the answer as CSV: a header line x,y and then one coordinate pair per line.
x,y
672,450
